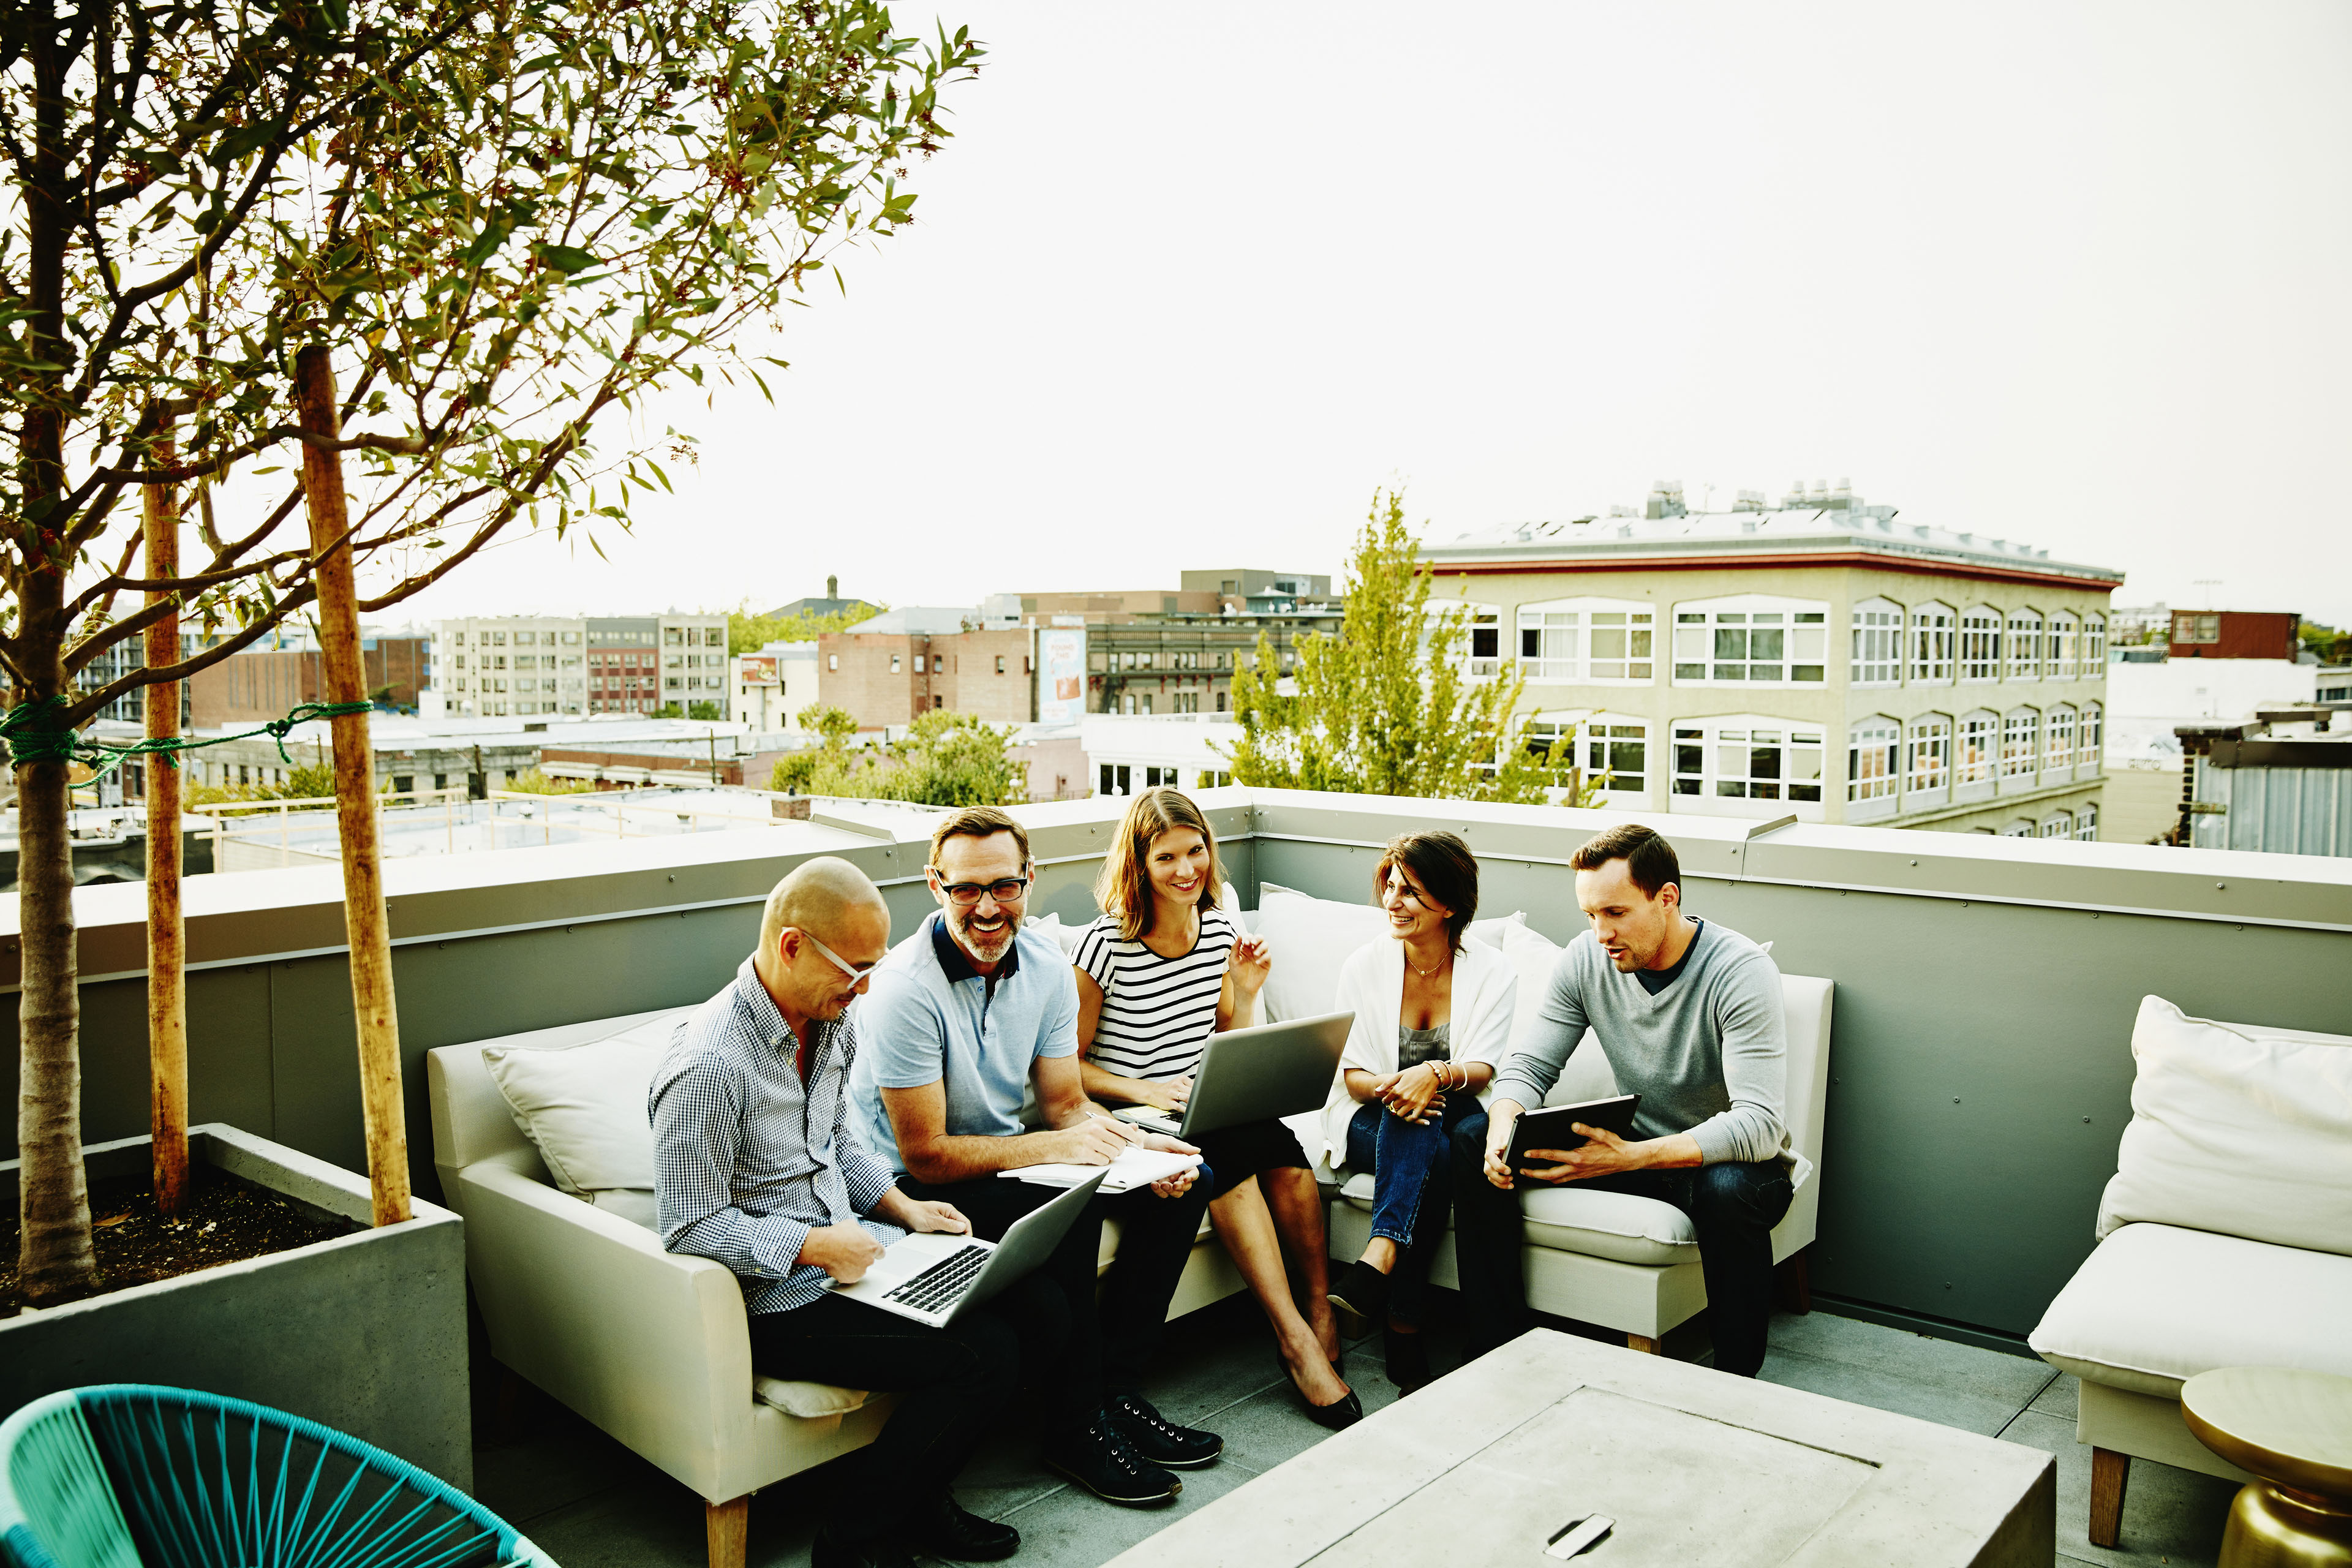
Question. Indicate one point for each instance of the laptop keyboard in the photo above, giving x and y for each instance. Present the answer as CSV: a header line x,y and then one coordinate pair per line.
x,y
937,1287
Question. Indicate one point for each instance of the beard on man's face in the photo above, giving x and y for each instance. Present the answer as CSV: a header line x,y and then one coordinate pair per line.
x,y
987,937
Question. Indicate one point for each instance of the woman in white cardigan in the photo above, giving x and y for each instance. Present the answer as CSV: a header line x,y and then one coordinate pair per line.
x,y
1432,1021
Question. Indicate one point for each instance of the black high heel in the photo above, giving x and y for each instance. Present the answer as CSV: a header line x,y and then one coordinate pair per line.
x,y
1338,1416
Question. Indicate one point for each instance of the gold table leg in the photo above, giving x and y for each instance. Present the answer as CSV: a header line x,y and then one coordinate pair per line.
x,y
2273,1526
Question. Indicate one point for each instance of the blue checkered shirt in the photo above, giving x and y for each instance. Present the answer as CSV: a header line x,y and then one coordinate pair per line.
x,y
747,1158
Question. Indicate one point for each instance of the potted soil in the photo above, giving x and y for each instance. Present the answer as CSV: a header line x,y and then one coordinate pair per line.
x,y
271,1285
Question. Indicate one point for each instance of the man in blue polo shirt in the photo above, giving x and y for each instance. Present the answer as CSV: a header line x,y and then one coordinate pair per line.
x,y
961,1020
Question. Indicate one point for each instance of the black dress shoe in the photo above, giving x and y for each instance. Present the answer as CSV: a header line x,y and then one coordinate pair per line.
x,y
955,1532
876,1552
1098,1457
1161,1440
1362,1293
1408,1360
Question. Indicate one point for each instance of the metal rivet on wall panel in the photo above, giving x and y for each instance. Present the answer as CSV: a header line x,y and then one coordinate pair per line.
x,y
2220,886
1956,1100
1915,862
673,877
2086,1122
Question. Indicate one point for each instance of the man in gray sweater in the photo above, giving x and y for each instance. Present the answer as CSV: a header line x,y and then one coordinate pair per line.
x,y
1689,1016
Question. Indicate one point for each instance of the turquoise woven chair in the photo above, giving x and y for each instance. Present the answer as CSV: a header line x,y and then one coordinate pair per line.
x,y
128,1475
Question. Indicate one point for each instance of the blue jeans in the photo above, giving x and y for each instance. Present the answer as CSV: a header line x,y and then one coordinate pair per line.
x,y
1409,1163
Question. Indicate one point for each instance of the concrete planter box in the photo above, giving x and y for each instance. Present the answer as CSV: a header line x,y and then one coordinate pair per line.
x,y
364,1332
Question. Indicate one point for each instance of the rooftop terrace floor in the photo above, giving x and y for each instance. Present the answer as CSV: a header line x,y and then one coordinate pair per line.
x,y
590,1503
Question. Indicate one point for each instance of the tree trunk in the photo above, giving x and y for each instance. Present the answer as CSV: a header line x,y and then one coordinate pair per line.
x,y
365,921
53,1260
167,980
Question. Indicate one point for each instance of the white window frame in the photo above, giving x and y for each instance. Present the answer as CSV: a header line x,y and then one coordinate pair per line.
x,y
1476,618
1880,629
1593,753
2059,721
2086,823
1928,759
1803,624
1976,752
1933,646
1712,736
1873,779
2089,733
2058,825
2094,648
2021,748
1566,654
2064,630
2023,660
2018,830
1979,645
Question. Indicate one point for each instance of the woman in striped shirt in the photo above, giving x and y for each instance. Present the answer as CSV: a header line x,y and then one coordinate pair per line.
x,y
1162,971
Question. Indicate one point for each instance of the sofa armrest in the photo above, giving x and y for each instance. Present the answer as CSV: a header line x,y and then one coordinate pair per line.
x,y
651,1347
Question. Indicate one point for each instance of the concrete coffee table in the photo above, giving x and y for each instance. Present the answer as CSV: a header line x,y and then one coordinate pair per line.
x,y
2294,1429
1491,1465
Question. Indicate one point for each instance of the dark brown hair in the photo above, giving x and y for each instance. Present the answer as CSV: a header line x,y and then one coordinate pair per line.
x,y
978,822
1445,870
1649,859
1124,889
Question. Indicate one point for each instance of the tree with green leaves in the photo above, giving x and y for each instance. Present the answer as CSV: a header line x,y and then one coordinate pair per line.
x,y
748,631
945,759
1387,707
504,224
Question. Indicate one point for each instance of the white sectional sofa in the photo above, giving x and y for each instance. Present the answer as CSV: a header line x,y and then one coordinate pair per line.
x,y
2225,1239
581,1299
1624,1262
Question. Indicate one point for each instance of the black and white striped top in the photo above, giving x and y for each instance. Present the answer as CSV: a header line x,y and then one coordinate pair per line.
x,y
1157,1012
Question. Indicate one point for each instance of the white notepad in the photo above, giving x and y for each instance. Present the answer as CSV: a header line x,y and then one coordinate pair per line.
x,y
1135,1167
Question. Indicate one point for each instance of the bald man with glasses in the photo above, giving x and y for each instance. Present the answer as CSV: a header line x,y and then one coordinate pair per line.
x,y
756,1167
965,1018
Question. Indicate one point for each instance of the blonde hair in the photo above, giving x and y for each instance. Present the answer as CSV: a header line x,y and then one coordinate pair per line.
x,y
1124,888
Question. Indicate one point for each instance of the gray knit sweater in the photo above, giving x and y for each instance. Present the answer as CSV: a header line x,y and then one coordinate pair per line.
x,y
1708,1055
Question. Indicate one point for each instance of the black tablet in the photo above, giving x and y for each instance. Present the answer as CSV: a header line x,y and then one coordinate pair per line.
x,y
1551,1126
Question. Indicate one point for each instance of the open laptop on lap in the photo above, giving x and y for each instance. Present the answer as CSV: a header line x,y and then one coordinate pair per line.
x,y
933,1278
1256,1075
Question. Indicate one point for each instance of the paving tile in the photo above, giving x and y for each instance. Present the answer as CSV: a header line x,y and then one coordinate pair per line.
x,y
558,1460
2061,1398
2171,1518
1212,1358
1006,1473
1074,1529
1968,1369
1938,1402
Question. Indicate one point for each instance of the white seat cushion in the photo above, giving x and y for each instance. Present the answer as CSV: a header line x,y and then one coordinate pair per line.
x,y
806,1399
2236,1128
1596,1224
2155,1305
1311,938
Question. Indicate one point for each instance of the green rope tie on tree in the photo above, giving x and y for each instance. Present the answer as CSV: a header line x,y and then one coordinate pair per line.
x,y
32,735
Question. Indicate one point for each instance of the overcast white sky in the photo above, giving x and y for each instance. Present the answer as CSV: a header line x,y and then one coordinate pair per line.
x,y
1191,281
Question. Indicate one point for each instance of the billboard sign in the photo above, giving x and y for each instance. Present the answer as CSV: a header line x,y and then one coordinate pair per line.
x,y
757,669
1061,674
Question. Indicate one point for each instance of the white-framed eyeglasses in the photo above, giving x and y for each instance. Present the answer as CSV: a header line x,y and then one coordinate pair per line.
x,y
855,974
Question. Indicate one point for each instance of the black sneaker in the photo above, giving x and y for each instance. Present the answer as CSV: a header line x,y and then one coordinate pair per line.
x,y
1100,1457
951,1530
1161,1440
1362,1294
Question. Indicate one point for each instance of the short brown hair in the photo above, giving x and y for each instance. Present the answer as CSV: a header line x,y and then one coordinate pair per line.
x,y
1442,863
1124,888
1649,859
979,822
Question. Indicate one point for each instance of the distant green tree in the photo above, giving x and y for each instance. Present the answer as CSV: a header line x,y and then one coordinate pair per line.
x,y
1388,706
748,633
834,724
706,710
956,759
667,711
533,781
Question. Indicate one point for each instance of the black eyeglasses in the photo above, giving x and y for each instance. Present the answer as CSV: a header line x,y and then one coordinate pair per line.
x,y
1012,890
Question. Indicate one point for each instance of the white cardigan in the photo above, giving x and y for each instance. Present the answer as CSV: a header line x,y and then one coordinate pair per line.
x,y
1371,985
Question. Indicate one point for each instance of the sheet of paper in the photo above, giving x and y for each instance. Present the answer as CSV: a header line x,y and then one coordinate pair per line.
x,y
1135,1167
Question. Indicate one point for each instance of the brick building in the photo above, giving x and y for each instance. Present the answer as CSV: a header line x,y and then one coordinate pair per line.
x,y
252,687
2233,634
884,671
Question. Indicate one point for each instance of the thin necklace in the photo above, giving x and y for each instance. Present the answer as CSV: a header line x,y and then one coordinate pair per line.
x,y
1417,969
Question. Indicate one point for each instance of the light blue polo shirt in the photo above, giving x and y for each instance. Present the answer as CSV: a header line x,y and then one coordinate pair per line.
x,y
927,1018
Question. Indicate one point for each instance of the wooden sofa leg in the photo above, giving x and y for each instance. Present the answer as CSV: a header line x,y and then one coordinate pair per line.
x,y
727,1527
1640,1343
1796,1285
2110,1471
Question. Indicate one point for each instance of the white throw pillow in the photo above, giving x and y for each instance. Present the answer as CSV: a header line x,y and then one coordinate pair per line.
x,y
1067,936
1311,940
1491,931
584,1109
810,1401
2235,1129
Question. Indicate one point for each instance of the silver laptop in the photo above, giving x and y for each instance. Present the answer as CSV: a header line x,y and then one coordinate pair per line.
x,y
933,1278
1254,1075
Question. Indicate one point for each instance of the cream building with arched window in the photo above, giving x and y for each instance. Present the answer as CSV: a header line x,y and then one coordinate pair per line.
x,y
1816,658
